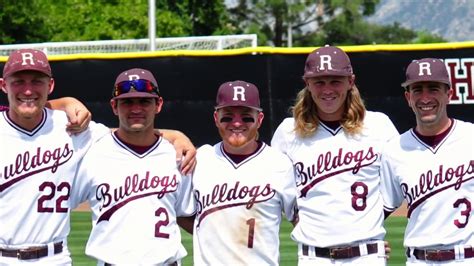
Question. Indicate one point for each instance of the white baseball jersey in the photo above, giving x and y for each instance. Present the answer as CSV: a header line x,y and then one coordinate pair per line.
x,y
337,177
135,199
37,172
240,206
437,183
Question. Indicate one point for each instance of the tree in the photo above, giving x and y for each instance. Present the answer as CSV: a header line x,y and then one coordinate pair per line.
x,y
20,22
311,23
315,23
25,21
303,16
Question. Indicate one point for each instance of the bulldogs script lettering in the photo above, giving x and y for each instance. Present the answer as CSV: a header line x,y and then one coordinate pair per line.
x,y
330,165
27,164
433,182
134,185
238,195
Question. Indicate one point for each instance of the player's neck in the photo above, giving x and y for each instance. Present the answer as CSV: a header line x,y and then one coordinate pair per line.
x,y
28,123
238,158
138,138
434,129
248,148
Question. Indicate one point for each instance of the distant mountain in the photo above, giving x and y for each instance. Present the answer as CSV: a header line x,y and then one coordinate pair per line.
x,y
451,19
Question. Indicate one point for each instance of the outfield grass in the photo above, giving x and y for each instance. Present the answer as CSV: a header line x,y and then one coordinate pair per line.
x,y
81,224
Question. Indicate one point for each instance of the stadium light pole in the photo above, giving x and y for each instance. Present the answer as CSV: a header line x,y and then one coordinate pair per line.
x,y
152,24
290,25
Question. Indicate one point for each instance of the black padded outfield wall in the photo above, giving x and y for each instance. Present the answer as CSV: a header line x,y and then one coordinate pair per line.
x,y
188,82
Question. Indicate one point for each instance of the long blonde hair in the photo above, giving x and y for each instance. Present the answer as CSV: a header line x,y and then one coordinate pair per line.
x,y
306,117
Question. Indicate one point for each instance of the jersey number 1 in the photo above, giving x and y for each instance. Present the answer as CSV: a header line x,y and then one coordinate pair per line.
x,y
251,223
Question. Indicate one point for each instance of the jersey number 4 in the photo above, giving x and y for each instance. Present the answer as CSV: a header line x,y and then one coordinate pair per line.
x,y
50,190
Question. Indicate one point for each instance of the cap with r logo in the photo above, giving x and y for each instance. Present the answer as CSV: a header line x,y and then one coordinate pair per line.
x,y
327,61
238,93
426,69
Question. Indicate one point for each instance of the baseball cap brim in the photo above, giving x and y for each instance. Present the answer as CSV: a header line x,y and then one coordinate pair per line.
x,y
409,82
327,73
237,105
27,68
136,94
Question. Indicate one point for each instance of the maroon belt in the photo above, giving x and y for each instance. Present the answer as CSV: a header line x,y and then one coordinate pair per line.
x,y
340,252
31,253
439,255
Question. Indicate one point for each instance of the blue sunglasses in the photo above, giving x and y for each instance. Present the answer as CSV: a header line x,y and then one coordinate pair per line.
x,y
140,85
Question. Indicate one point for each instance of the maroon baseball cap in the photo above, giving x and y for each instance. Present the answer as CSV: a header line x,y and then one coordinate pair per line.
x,y
135,83
27,59
426,69
238,93
327,61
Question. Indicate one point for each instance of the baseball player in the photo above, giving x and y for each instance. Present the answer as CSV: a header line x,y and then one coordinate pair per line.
x,y
133,184
38,162
241,185
334,144
431,166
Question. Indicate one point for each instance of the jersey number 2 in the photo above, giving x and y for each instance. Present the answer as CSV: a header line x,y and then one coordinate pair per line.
x,y
162,222
51,190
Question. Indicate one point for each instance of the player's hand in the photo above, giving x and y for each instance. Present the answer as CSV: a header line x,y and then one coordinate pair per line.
x,y
77,113
79,118
185,155
388,250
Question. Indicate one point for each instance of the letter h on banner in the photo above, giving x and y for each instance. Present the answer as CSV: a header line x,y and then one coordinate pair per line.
x,y
461,72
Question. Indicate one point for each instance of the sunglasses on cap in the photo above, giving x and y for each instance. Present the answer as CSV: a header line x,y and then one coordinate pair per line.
x,y
140,85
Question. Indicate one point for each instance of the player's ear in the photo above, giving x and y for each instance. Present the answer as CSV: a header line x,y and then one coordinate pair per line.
x,y
113,104
450,92
216,117
352,80
407,96
51,85
3,85
305,80
159,105
260,117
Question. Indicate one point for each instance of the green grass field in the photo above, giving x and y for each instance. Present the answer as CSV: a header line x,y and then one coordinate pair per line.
x,y
81,224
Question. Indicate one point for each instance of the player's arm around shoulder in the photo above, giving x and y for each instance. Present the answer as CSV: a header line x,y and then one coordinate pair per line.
x,y
82,185
93,133
78,114
185,149
186,203
202,157
382,125
389,184
283,134
285,183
